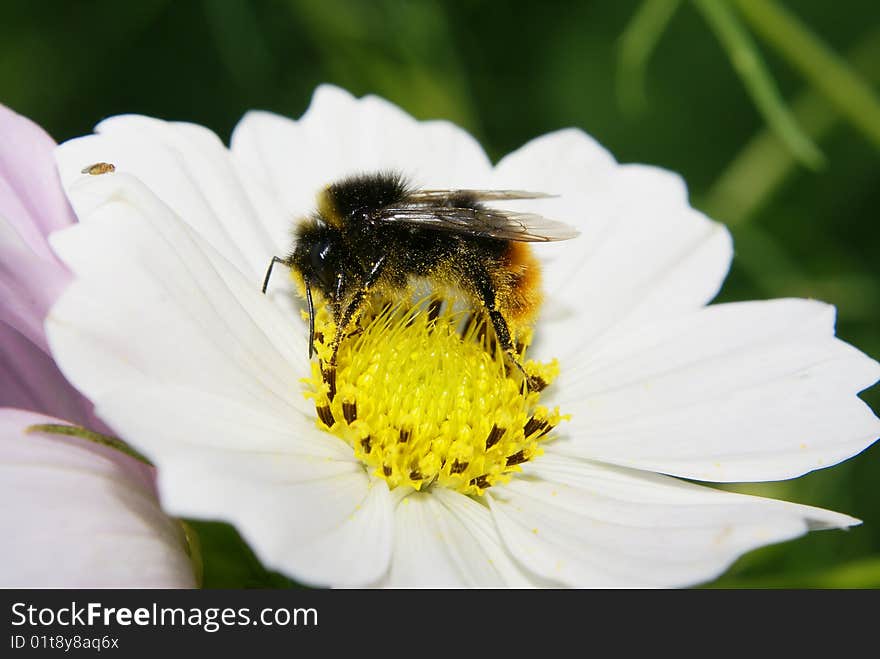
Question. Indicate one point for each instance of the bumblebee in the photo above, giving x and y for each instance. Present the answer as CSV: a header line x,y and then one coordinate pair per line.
x,y
375,233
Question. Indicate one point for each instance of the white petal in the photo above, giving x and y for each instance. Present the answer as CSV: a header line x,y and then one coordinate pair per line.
x,y
643,252
592,525
191,171
186,420
296,494
153,302
340,135
78,515
736,392
325,525
445,539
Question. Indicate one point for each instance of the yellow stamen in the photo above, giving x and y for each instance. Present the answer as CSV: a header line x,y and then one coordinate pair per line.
x,y
423,403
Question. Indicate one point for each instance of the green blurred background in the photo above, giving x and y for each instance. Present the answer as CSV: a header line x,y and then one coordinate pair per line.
x,y
667,82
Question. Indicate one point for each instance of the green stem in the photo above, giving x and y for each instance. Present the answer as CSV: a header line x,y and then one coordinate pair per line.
x,y
638,41
825,69
89,435
747,62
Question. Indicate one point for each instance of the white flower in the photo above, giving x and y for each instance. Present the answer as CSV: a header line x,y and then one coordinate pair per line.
x,y
166,330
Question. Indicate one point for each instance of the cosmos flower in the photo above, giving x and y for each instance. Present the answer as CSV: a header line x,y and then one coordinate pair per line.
x,y
429,466
74,513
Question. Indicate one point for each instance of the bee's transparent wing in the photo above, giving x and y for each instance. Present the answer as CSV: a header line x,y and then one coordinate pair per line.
x,y
491,222
434,196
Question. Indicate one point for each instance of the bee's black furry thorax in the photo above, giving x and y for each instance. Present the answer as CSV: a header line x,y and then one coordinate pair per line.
x,y
353,198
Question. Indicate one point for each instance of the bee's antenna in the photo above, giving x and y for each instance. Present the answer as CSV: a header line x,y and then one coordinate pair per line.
x,y
275,259
311,319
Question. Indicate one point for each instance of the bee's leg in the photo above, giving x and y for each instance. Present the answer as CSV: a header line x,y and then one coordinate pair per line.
x,y
356,305
502,331
342,322
344,318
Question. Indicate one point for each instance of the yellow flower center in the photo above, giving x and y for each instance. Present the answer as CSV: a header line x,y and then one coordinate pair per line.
x,y
426,399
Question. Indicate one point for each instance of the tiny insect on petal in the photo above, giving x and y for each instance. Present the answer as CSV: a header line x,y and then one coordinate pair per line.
x,y
99,168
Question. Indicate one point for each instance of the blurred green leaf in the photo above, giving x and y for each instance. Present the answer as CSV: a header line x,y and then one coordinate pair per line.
x,y
863,573
404,51
747,62
635,47
240,43
228,562
818,63
763,165
758,171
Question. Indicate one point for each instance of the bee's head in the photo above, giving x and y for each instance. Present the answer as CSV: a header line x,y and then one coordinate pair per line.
x,y
320,257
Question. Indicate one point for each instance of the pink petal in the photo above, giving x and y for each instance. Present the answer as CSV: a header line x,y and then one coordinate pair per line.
x,y
83,515
29,285
32,204
30,191
30,380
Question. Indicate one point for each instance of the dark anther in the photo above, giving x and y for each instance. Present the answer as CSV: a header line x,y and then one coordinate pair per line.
x,y
536,383
319,337
517,458
386,470
520,347
404,435
415,475
494,436
481,482
329,376
458,467
367,443
326,415
534,425
349,411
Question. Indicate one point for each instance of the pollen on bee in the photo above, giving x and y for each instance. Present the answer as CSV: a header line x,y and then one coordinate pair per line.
x,y
518,285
